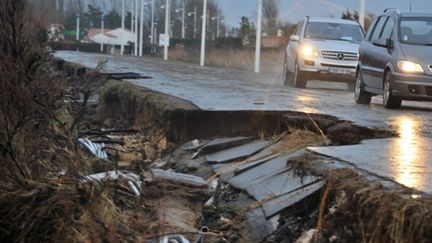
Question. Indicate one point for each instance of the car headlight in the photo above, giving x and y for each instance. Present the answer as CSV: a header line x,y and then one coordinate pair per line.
x,y
308,51
410,67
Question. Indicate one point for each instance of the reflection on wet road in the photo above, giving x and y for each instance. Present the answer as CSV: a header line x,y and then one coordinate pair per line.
x,y
408,154
407,159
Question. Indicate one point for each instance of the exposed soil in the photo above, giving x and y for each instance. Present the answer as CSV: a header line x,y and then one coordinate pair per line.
x,y
161,124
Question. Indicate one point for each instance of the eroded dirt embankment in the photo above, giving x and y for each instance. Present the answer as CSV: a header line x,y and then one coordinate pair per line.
x,y
349,198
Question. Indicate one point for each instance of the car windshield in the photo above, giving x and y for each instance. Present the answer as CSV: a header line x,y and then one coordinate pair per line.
x,y
416,31
334,31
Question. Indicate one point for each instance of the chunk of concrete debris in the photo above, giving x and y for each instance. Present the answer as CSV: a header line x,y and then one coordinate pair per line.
x,y
279,183
221,144
238,152
256,227
243,180
179,178
132,179
307,236
174,239
95,148
274,206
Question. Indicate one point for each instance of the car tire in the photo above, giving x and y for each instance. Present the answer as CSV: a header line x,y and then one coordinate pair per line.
x,y
299,80
287,75
361,96
390,101
351,86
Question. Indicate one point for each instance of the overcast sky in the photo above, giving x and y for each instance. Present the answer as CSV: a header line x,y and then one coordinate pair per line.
x,y
295,10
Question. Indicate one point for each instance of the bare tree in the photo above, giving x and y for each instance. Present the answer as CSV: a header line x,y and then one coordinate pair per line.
x,y
271,16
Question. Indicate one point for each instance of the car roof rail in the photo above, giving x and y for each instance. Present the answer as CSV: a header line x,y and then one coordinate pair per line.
x,y
392,9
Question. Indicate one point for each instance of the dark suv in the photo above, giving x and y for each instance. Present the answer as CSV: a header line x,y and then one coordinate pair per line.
x,y
396,59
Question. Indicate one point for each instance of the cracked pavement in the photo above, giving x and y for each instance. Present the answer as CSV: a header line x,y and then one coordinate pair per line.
x,y
405,159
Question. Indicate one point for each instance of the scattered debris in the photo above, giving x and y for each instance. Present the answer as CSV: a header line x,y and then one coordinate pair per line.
x,y
133,180
96,149
179,178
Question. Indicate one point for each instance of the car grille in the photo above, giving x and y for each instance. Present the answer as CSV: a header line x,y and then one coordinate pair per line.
x,y
428,91
340,56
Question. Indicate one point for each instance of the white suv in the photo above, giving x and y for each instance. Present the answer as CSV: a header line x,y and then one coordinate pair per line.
x,y
323,49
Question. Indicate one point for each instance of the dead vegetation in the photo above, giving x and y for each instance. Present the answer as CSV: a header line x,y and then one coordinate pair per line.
x,y
272,59
37,144
368,212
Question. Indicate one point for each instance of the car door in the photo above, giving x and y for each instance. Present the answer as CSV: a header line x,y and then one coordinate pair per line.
x,y
368,53
382,54
292,48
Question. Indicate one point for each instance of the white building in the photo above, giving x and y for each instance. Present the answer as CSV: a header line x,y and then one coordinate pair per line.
x,y
111,37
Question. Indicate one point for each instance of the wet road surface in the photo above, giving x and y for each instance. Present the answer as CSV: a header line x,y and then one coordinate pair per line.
x,y
406,159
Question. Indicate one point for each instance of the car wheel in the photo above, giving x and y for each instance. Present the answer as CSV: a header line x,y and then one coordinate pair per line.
x,y
287,75
351,86
299,80
390,101
361,97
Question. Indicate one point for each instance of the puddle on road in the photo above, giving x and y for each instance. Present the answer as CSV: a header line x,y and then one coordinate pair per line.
x,y
409,154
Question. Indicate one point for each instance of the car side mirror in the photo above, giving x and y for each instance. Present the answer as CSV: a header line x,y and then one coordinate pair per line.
x,y
380,42
294,38
389,44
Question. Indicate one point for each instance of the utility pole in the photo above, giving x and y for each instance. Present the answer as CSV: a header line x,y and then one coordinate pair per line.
x,y
123,28
167,27
203,34
103,35
362,12
141,41
183,20
410,5
78,27
258,37
136,28
217,25
132,16
152,36
195,21
194,13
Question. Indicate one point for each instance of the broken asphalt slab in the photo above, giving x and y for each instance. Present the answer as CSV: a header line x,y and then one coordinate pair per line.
x,y
404,161
238,152
221,144
274,206
274,185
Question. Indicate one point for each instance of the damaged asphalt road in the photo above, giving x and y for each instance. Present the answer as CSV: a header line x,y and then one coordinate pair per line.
x,y
404,159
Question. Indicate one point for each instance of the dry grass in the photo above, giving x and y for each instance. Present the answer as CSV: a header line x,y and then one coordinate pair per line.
x,y
371,213
297,139
271,59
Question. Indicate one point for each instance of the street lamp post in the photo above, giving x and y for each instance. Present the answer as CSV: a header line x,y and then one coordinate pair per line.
x,y
194,13
167,27
152,38
217,18
78,27
203,34
132,15
136,28
103,35
258,37
182,18
123,28
141,41
362,12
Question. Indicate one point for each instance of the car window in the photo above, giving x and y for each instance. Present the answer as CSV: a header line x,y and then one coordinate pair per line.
x,y
369,32
334,31
416,30
299,27
388,29
376,33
